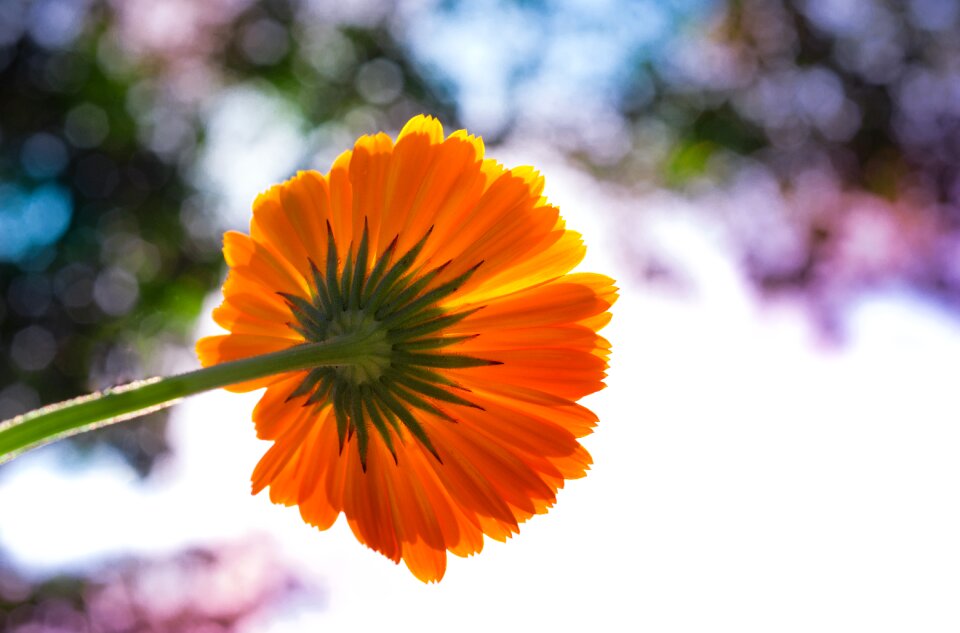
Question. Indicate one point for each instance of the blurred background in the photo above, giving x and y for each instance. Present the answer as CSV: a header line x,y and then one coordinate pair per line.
x,y
773,183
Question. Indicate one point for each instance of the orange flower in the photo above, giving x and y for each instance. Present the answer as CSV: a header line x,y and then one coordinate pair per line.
x,y
459,416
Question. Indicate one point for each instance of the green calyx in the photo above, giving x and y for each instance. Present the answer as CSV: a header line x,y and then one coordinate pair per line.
x,y
371,362
391,309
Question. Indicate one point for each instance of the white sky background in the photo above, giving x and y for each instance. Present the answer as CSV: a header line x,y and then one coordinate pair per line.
x,y
745,478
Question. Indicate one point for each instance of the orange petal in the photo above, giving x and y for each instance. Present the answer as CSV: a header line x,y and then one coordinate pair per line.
x,y
567,300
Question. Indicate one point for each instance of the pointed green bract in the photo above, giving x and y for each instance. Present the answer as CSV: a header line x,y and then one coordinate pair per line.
x,y
377,420
392,276
360,270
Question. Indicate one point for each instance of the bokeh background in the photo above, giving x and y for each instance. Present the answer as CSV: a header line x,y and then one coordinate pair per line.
x,y
773,183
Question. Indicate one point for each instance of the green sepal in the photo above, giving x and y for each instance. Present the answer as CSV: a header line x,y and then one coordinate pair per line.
x,y
379,294
340,413
346,279
433,391
360,269
377,273
377,420
436,342
409,292
333,285
311,318
406,418
323,389
411,310
428,375
309,383
418,402
445,361
360,425
320,289
430,326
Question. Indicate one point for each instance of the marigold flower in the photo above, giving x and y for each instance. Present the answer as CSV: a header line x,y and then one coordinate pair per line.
x,y
459,416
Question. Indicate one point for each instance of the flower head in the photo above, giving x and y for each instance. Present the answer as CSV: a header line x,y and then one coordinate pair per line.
x,y
458,416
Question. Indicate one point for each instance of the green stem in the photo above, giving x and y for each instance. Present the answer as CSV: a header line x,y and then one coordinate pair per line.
x,y
116,404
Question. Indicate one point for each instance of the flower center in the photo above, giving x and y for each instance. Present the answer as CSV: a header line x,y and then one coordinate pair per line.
x,y
377,350
392,314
